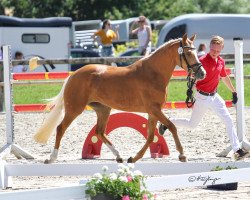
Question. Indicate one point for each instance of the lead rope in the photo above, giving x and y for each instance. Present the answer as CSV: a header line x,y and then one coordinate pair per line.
x,y
190,100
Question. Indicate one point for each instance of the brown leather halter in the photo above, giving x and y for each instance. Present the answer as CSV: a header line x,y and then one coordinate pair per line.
x,y
190,100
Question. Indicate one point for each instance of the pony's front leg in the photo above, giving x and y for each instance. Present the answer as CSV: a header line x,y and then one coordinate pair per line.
x,y
151,129
109,144
100,131
53,157
115,152
173,130
103,113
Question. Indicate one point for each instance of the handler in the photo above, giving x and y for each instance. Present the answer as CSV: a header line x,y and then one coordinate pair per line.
x,y
208,98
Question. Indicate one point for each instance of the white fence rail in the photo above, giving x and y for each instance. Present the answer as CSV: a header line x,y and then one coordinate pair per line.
x,y
172,175
62,193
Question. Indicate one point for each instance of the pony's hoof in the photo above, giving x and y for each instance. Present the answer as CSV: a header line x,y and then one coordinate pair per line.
x,y
182,158
119,160
47,161
130,160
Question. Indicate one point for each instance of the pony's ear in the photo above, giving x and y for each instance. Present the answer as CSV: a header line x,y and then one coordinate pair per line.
x,y
184,37
193,37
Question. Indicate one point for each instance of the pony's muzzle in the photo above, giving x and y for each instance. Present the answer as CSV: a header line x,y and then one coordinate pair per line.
x,y
200,73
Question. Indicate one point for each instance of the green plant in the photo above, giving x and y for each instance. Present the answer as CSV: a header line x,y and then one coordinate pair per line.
x,y
218,168
120,48
124,184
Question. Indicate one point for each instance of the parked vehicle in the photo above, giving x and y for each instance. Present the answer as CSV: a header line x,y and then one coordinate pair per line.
x,y
228,26
129,52
124,29
82,32
53,38
158,24
79,53
46,38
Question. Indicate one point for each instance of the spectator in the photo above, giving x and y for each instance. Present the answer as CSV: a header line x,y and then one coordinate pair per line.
x,y
208,98
19,68
107,36
202,50
144,34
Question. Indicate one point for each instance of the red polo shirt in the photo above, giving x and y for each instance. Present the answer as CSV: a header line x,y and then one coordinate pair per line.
x,y
214,72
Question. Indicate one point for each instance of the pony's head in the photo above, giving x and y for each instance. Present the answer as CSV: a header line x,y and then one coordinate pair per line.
x,y
189,59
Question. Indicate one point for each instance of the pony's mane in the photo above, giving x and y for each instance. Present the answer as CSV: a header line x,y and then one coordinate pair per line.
x,y
166,45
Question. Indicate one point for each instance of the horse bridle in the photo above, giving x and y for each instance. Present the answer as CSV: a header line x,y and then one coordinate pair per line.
x,y
190,100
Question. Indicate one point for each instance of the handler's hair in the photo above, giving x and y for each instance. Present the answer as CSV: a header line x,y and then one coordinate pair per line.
x,y
217,40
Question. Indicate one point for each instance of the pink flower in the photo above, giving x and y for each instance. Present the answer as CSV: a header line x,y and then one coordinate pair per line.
x,y
129,178
145,197
125,197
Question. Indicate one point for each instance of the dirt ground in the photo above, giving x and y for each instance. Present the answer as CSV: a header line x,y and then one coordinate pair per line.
x,y
200,144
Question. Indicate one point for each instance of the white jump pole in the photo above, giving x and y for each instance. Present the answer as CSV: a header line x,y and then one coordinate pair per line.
x,y
240,115
241,123
10,147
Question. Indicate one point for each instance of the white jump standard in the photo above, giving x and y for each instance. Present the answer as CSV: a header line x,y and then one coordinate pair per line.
x,y
10,147
241,123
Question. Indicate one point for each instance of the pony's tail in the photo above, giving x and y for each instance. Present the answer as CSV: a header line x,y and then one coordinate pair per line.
x,y
53,118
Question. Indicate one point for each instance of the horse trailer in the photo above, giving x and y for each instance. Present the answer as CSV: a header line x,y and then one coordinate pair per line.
x,y
46,38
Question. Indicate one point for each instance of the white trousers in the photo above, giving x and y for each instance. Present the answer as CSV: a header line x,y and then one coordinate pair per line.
x,y
217,105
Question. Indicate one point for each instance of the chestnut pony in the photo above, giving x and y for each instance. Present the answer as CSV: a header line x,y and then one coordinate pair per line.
x,y
139,87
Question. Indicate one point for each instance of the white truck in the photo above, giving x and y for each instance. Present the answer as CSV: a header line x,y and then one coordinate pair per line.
x,y
228,26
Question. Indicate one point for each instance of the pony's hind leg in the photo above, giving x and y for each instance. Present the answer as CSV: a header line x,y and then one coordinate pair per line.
x,y
103,113
61,128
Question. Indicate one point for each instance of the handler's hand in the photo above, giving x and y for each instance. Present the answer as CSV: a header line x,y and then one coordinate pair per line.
x,y
235,98
117,27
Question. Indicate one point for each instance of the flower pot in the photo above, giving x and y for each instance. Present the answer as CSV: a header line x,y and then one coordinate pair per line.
x,y
104,197
226,186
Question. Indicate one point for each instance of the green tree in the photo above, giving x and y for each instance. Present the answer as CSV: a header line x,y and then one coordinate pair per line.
x,y
1,9
224,6
121,9
38,9
77,9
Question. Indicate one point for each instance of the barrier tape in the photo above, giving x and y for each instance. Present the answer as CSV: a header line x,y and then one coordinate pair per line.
x,y
41,107
63,75
41,75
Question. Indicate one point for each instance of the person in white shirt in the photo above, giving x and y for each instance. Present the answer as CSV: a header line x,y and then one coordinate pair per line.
x,y
144,34
202,50
19,68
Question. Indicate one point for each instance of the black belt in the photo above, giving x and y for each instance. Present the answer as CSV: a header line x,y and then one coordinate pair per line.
x,y
206,93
